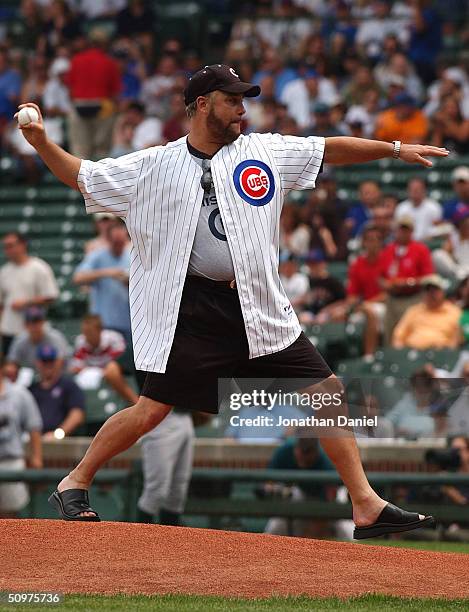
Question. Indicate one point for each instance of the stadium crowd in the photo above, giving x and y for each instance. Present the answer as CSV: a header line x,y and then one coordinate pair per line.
x,y
107,86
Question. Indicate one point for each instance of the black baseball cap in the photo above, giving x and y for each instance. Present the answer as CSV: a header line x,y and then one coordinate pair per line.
x,y
218,77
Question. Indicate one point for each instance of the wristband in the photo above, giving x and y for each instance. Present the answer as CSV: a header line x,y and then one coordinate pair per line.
x,y
59,434
397,149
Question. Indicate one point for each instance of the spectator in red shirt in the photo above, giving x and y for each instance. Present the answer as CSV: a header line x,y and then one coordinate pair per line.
x,y
364,292
100,348
405,263
94,81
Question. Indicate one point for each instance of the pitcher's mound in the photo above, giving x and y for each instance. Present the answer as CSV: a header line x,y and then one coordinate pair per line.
x,y
44,555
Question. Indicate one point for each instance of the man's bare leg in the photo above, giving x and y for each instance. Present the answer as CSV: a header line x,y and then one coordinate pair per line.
x,y
344,454
343,451
117,434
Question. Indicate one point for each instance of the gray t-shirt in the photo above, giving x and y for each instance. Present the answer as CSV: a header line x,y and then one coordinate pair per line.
x,y
32,279
18,414
22,350
210,257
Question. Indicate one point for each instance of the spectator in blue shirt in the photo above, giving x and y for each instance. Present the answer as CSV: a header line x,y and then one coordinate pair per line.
x,y
299,453
10,88
61,402
369,197
272,65
460,179
107,272
425,39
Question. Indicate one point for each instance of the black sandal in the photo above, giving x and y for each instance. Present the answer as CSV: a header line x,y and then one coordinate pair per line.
x,y
393,520
71,503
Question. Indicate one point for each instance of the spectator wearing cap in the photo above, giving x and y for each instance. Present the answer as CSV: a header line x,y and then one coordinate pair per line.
x,y
364,115
325,291
23,349
101,348
396,87
460,182
19,415
94,82
359,124
405,262
425,212
106,271
24,281
452,260
56,97
60,400
433,323
370,196
295,283
301,95
404,121
322,123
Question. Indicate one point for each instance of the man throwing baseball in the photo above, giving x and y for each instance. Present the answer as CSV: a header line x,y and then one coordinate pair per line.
x,y
206,300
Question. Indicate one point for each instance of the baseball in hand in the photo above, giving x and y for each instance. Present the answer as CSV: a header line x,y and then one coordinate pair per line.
x,y
28,114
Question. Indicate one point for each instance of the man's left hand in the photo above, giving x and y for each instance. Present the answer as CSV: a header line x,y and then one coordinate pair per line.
x,y
416,154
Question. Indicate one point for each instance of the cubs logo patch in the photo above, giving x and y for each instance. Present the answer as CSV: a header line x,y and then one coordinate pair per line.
x,y
254,182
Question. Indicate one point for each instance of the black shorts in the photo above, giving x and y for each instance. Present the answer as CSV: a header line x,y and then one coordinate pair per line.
x,y
210,343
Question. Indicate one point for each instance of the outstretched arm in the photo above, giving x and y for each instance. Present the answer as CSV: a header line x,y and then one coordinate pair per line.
x,y
62,164
349,150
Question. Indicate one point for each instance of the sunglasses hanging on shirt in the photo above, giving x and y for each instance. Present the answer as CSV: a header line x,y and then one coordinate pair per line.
x,y
206,181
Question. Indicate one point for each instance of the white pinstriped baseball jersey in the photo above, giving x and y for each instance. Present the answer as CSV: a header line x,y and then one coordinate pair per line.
x,y
158,193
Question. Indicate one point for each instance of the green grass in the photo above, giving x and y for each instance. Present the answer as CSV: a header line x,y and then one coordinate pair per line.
x,y
195,603
456,547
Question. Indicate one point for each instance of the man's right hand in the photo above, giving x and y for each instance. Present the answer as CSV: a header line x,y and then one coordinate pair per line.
x,y
34,132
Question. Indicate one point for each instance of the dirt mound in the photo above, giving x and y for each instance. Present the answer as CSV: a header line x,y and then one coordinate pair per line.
x,y
44,555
